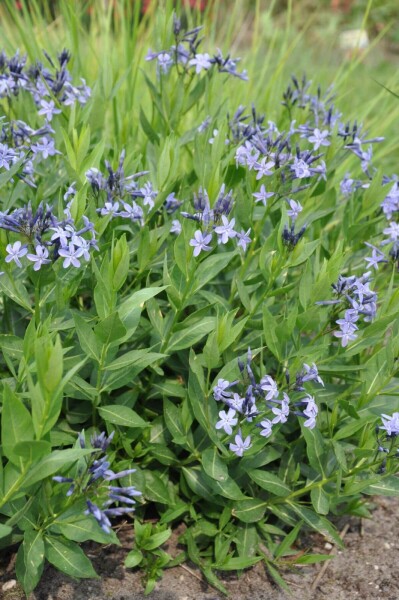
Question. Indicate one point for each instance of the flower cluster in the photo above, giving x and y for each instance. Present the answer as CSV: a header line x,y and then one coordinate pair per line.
x,y
123,196
184,54
265,150
263,402
50,90
390,208
43,83
93,484
387,434
213,221
355,295
43,232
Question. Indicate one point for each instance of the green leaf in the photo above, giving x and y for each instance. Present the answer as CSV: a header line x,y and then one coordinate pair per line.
x,y
197,483
133,559
135,357
320,500
247,540
88,341
9,174
5,530
137,300
387,486
302,252
110,329
270,482
214,465
210,267
269,328
12,346
121,415
190,335
31,451
155,488
284,547
120,376
173,420
315,448
67,557
83,529
310,559
227,488
234,563
273,572
214,580
16,425
317,522
51,464
15,290
164,455
30,560
249,510
173,513
49,363
156,540
148,129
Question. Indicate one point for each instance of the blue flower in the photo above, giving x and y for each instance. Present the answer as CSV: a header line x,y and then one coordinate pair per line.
x,y
263,168
282,412
220,391
347,333
267,426
48,109
243,239
235,402
227,420
376,257
40,258
295,209
268,385
319,138
45,146
71,255
99,515
262,195
200,241
93,483
300,168
240,445
15,252
390,424
109,208
200,62
312,374
225,231
176,226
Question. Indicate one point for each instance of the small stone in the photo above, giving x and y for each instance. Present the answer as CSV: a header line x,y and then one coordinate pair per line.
x,y
328,546
387,545
8,585
376,567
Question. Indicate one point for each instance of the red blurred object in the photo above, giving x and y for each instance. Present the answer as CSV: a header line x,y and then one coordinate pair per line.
x,y
341,5
199,4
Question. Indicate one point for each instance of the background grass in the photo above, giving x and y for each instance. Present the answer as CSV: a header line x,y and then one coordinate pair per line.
x,y
108,42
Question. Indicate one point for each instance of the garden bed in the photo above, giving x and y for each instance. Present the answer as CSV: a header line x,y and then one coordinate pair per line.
x,y
366,569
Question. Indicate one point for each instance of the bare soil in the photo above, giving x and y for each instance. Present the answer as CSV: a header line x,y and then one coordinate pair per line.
x,y
367,569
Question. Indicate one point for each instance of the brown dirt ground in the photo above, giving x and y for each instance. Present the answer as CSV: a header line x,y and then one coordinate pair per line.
x,y
367,569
